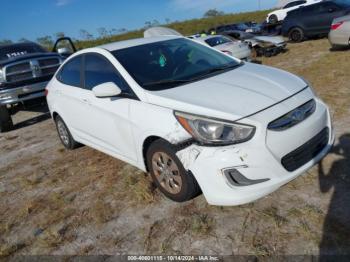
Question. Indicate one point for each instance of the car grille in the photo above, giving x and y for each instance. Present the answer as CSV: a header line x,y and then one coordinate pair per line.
x,y
306,152
30,69
293,117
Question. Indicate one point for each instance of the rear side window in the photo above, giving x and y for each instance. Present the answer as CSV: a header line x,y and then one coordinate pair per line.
x,y
99,70
70,72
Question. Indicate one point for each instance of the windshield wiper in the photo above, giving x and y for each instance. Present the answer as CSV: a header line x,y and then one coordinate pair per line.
x,y
167,82
220,68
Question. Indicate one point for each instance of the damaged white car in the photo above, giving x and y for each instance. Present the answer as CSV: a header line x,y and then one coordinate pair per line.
x,y
193,117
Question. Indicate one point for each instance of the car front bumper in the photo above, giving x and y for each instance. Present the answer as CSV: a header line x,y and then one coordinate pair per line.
x,y
23,93
257,159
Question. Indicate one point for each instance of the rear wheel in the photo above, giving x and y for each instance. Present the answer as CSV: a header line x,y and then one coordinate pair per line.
x,y
273,19
64,134
296,35
5,120
169,174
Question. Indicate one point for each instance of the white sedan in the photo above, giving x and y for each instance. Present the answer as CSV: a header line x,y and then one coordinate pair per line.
x,y
224,44
196,119
279,15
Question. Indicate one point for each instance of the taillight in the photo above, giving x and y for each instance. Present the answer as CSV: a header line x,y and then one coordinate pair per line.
x,y
46,91
336,25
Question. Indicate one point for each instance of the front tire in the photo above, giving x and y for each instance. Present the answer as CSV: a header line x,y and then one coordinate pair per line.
x,y
6,123
64,134
169,174
296,35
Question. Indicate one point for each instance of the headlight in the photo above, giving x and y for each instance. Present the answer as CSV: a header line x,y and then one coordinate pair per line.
x,y
214,131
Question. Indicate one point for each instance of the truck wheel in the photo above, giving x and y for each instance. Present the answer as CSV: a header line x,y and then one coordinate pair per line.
x,y
5,119
296,35
64,134
169,174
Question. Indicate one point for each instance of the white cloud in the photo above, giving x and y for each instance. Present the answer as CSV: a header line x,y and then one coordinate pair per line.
x,y
62,2
204,4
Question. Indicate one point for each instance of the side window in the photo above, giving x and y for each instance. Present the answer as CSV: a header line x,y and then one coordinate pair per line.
x,y
70,72
99,70
295,3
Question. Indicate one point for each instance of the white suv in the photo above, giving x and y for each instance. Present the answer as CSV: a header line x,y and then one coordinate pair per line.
x,y
197,119
279,15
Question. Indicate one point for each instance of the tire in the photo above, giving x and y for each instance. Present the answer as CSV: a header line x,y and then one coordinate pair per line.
x,y
64,134
296,35
174,181
273,19
6,123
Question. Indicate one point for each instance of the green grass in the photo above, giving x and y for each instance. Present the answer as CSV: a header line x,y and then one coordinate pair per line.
x,y
187,27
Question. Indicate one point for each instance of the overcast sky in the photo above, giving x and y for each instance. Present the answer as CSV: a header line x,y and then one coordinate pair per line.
x,y
33,18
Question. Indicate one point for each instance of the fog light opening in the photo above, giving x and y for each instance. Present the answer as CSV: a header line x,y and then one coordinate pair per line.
x,y
235,178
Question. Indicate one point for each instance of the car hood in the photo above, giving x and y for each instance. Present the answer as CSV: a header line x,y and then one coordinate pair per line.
x,y
231,95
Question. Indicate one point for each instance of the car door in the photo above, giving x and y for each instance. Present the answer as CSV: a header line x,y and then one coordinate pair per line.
x,y
106,120
69,95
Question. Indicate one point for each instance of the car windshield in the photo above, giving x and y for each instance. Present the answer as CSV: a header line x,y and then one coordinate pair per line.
x,y
15,50
170,63
218,40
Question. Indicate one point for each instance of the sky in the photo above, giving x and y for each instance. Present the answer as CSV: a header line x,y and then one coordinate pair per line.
x,y
35,18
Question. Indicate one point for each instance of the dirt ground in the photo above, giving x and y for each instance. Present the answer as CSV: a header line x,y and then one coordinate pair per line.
x,y
54,201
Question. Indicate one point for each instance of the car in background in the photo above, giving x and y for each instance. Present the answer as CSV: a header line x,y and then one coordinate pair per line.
x,y
279,15
25,70
224,44
313,20
263,45
249,27
340,32
196,119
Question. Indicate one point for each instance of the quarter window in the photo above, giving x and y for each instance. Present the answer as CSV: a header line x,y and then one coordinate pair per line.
x,y
99,70
70,72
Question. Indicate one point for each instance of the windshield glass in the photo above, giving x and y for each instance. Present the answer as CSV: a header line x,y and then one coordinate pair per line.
x,y
166,64
10,51
218,40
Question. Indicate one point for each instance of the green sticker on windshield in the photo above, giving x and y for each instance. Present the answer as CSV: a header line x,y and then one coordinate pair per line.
x,y
162,61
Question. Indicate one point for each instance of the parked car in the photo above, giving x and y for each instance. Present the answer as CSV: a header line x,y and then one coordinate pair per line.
x,y
313,20
249,27
280,14
25,69
196,119
224,44
340,32
263,45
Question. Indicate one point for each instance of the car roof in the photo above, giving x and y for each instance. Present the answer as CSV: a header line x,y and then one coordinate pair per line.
x,y
135,42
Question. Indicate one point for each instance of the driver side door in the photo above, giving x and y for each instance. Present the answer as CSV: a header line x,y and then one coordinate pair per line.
x,y
106,120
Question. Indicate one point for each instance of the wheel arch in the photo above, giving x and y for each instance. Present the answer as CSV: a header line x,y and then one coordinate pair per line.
x,y
145,146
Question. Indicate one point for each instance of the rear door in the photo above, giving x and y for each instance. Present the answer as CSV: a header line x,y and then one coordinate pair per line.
x,y
327,13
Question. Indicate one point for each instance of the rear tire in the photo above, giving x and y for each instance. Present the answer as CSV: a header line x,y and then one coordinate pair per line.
x,y
273,19
6,123
169,174
64,134
296,35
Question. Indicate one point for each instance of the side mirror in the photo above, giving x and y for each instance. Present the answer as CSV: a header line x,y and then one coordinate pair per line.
x,y
64,51
108,89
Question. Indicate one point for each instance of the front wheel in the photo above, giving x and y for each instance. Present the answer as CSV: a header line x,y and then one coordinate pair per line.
x,y
6,123
296,35
169,174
